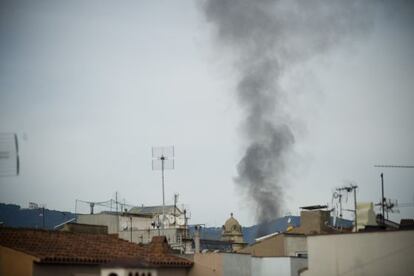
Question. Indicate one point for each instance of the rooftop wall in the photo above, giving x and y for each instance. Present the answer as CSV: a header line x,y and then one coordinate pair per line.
x,y
280,245
314,222
373,253
13,262
101,219
236,265
281,266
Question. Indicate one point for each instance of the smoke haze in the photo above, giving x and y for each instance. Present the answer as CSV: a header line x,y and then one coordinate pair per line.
x,y
268,38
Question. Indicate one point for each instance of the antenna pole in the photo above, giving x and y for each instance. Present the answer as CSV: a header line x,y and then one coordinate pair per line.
x,y
339,195
355,208
382,198
388,205
163,193
116,202
340,206
16,143
117,215
163,156
130,218
175,207
43,216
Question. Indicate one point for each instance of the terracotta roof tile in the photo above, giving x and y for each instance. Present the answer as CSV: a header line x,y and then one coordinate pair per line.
x,y
82,248
159,253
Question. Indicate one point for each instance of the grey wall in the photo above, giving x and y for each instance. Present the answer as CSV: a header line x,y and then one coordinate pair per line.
x,y
271,266
294,245
296,264
101,219
280,266
236,265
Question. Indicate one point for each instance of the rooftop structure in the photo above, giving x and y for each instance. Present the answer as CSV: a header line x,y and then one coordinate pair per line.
x,y
141,224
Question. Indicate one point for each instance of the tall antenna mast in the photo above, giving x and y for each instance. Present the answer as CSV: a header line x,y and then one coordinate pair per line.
x,y
163,159
384,205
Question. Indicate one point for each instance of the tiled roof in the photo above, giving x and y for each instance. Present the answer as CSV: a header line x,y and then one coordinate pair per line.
x,y
158,252
81,248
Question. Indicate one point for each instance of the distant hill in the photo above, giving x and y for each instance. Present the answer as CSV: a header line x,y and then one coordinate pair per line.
x,y
250,233
14,216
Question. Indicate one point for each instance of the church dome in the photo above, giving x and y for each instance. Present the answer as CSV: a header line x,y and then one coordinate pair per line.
x,y
232,231
232,226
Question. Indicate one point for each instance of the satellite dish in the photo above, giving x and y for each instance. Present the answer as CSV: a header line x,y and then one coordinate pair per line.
x,y
171,219
180,220
164,220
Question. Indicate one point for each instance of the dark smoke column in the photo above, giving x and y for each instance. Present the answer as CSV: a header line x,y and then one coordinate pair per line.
x,y
270,140
268,38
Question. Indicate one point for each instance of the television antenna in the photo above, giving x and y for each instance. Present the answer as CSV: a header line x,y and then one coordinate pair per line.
x,y
348,189
384,204
338,194
9,154
163,159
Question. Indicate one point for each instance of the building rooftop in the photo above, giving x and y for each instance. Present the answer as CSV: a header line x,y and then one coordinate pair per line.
x,y
119,213
154,210
314,207
55,247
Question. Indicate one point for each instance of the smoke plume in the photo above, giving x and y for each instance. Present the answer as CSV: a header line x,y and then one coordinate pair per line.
x,y
267,38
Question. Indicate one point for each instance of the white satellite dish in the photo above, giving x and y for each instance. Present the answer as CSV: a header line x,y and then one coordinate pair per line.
x,y
164,220
180,220
171,219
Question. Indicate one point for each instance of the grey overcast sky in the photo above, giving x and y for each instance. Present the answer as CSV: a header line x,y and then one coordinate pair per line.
x,y
91,86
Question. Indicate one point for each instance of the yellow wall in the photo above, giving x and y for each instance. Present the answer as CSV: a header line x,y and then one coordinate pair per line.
x,y
270,247
207,264
15,263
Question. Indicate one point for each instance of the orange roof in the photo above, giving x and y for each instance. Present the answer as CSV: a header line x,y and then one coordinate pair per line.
x,y
81,248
